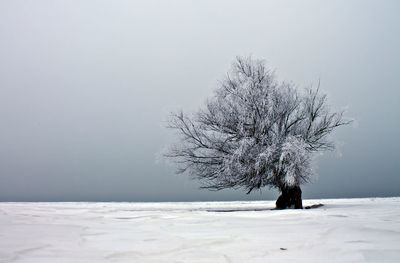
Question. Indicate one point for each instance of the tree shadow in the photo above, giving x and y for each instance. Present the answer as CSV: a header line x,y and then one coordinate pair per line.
x,y
239,210
257,209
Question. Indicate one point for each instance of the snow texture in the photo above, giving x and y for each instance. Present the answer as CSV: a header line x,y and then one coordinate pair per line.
x,y
344,230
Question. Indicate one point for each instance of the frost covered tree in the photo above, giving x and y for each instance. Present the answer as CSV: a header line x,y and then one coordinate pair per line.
x,y
255,132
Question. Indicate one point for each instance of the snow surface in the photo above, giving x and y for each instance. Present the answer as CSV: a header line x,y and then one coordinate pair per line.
x,y
344,230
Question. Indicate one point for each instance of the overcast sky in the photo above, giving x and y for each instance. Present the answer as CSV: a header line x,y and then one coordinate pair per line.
x,y
85,87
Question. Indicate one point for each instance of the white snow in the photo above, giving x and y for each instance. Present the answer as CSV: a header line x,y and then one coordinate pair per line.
x,y
344,230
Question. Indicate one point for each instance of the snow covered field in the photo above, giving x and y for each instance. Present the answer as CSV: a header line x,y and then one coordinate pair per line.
x,y
344,230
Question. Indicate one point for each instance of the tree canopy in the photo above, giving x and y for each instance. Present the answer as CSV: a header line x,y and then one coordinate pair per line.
x,y
254,132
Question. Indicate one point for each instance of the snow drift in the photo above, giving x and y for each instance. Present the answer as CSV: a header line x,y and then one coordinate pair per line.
x,y
344,230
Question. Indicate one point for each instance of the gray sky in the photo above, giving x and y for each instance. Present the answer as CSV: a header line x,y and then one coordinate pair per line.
x,y
86,85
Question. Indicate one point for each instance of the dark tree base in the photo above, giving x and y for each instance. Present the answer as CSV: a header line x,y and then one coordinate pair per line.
x,y
290,198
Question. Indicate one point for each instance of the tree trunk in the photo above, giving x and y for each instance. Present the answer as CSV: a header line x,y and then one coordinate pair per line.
x,y
290,198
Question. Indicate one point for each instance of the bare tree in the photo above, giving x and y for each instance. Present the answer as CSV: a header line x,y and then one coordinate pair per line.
x,y
255,132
